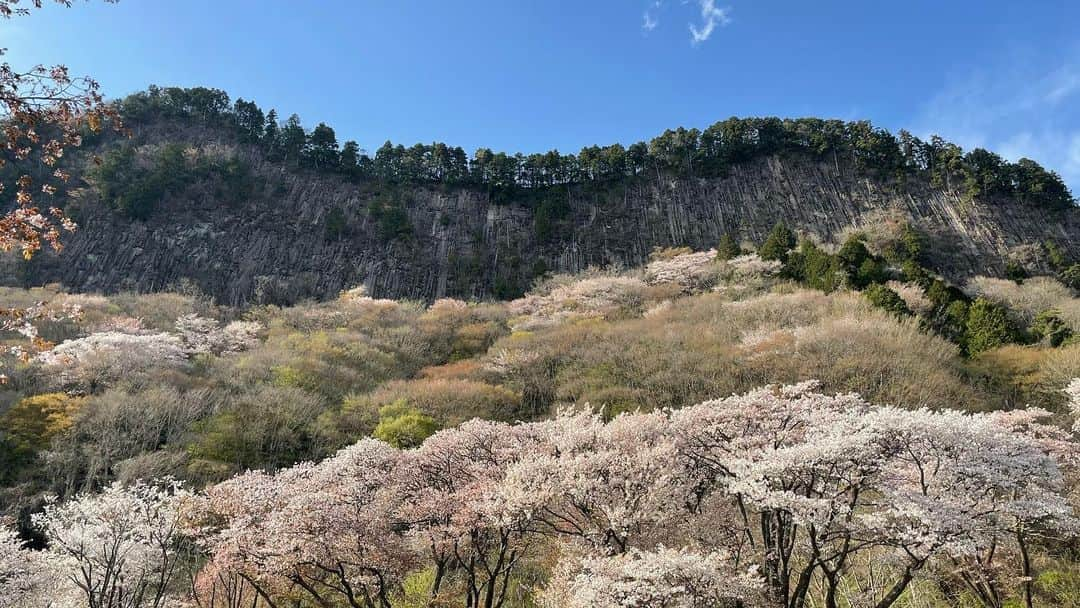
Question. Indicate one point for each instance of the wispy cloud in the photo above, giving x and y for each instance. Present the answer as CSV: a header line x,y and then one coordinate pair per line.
x,y
1014,109
711,17
651,18
649,23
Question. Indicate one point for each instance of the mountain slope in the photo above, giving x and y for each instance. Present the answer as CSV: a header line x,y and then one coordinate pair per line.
x,y
290,232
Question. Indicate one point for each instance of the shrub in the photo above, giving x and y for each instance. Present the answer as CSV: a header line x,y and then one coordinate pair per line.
x,y
913,296
117,425
1071,277
727,248
447,401
988,326
1049,327
569,299
335,223
1015,271
404,427
34,421
815,267
1025,301
778,243
886,299
269,426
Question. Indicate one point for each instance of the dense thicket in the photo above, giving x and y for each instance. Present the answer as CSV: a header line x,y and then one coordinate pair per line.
x,y
685,152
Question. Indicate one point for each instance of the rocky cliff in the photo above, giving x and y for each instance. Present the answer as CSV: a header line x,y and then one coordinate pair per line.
x,y
302,234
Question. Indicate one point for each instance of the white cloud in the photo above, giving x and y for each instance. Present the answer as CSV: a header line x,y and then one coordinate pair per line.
x,y
650,22
1016,108
651,19
711,17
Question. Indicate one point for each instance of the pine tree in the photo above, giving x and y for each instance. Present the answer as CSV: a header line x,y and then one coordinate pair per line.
x,y
271,139
293,139
727,248
776,246
321,150
988,327
350,158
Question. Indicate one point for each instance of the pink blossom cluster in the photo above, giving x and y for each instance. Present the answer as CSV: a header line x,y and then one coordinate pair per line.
x,y
759,498
692,271
590,297
201,335
116,549
763,498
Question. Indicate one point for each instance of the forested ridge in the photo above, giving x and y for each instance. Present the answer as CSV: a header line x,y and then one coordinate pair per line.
x,y
198,190
684,152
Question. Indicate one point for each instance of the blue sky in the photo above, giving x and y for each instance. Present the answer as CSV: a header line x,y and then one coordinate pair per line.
x,y
531,76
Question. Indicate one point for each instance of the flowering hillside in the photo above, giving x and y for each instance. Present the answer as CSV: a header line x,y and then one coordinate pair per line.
x,y
702,432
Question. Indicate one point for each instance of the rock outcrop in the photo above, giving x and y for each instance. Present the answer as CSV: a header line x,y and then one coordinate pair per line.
x,y
310,235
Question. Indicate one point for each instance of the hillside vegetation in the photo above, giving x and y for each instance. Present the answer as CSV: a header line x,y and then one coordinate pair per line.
x,y
172,386
201,190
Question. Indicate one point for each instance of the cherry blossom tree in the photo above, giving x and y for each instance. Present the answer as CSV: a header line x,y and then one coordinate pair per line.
x,y
323,529
118,548
773,497
691,271
201,335
28,578
608,485
44,110
644,579
450,501
820,479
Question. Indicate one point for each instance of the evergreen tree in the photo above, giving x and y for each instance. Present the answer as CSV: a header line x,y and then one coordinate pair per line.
x,y
1049,326
271,139
727,248
250,121
349,161
887,299
1071,276
293,139
988,327
779,242
321,150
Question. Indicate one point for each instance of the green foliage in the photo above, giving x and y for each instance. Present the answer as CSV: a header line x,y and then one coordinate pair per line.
x,y
134,186
686,152
727,248
404,427
549,213
913,242
1059,259
886,299
1071,277
335,223
814,267
859,266
1048,326
29,426
1060,586
270,426
778,243
988,326
392,220
914,273
321,151
1015,271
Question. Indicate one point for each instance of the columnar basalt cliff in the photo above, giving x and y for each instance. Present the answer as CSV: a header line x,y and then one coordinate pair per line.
x,y
303,234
